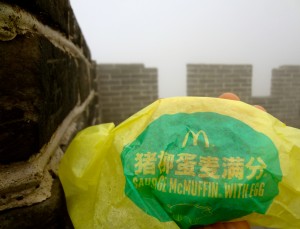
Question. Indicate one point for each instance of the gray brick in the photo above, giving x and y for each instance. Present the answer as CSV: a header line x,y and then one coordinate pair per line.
x,y
136,84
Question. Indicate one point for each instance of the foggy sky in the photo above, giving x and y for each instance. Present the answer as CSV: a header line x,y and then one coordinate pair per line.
x,y
168,34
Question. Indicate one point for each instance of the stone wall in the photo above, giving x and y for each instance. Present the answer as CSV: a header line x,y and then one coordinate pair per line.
x,y
212,79
124,89
47,94
286,89
283,103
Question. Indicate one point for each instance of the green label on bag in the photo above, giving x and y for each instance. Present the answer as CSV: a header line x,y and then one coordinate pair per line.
x,y
201,168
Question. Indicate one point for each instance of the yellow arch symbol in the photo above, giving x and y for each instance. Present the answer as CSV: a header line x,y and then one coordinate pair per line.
x,y
195,138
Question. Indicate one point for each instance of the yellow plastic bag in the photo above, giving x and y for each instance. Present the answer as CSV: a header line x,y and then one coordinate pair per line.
x,y
185,161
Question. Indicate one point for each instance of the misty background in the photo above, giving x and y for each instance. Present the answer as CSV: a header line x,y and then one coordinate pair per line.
x,y
168,34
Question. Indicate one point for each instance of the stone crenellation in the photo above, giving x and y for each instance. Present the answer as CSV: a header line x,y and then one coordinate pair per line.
x,y
125,89
213,79
285,88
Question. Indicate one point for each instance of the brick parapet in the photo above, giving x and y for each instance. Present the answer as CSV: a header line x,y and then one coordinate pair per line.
x,y
125,89
213,79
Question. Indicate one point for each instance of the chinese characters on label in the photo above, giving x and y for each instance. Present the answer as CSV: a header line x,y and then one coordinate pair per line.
x,y
188,164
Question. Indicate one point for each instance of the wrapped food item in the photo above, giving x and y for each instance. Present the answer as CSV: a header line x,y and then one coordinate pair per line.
x,y
182,162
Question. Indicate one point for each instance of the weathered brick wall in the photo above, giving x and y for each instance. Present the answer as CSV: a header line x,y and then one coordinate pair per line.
x,y
124,89
286,89
47,94
212,79
283,103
